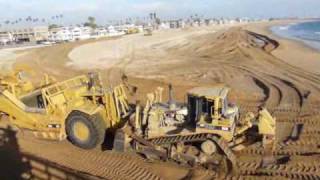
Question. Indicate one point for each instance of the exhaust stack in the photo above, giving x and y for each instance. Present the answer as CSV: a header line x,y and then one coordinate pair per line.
x,y
171,102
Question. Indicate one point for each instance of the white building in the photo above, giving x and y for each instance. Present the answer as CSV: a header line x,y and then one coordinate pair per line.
x,y
60,34
82,33
37,33
6,37
100,32
112,32
70,34
164,25
76,33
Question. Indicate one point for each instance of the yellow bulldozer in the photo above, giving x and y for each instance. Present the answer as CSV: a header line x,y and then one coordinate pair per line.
x,y
79,108
206,130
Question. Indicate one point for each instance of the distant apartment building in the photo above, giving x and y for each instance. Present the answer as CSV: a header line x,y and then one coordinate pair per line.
x,y
81,33
61,34
164,25
115,31
85,33
76,33
6,37
174,24
99,32
34,34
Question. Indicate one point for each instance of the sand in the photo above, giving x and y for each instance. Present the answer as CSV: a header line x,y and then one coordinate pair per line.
x,y
258,70
106,54
8,58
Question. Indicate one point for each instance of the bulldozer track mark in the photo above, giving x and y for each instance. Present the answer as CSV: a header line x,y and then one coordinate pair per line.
x,y
106,165
264,87
299,171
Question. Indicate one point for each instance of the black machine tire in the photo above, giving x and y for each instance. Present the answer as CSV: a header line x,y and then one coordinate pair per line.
x,y
95,126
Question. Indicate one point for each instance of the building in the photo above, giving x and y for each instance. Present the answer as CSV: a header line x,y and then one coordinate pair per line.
x,y
72,34
6,37
76,33
112,31
34,34
86,33
164,25
100,32
60,34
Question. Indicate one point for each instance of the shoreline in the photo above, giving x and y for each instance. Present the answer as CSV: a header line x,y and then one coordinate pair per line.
x,y
304,42
293,52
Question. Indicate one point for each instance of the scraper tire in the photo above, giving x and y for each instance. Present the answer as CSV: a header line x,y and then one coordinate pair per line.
x,y
94,130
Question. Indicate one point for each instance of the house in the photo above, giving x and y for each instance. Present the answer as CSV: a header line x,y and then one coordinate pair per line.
x,y
85,33
34,34
70,34
100,32
60,34
112,31
6,37
164,25
76,33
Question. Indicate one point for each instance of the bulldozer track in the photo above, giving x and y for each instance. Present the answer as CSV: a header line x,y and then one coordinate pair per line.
x,y
179,138
194,138
297,170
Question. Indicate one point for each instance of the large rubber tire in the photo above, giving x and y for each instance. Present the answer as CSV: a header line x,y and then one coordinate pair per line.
x,y
95,127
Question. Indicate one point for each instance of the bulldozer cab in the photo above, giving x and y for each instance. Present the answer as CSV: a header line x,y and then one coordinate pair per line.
x,y
208,108
34,100
207,104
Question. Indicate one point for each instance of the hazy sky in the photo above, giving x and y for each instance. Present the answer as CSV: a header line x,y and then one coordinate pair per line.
x,y
77,10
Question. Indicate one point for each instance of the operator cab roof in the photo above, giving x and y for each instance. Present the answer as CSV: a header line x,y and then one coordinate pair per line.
x,y
210,91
